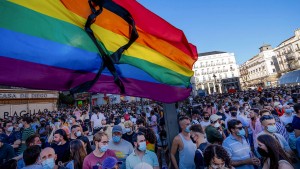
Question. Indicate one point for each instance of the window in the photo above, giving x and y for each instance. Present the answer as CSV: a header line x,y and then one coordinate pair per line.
x,y
274,70
272,63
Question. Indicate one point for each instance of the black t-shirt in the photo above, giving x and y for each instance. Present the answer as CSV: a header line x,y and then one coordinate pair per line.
x,y
6,153
128,138
62,152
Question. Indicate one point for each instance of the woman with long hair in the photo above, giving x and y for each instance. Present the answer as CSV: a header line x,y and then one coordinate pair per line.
x,y
78,154
216,156
86,143
273,155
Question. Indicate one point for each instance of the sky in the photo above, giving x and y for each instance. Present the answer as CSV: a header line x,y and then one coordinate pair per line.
x,y
238,26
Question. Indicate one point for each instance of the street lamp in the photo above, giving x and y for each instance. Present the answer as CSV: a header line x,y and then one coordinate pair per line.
x,y
217,88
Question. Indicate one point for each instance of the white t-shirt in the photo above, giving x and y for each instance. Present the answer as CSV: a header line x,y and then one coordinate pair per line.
x,y
204,124
97,119
286,119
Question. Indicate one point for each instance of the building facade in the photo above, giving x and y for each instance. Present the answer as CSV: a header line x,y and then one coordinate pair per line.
x,y
288,53
260,70
211,68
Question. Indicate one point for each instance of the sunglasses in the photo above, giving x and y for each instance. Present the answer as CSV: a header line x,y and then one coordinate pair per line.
x,y
266,117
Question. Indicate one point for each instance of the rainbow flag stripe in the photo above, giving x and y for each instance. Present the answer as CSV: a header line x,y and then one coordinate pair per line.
x,y
43,45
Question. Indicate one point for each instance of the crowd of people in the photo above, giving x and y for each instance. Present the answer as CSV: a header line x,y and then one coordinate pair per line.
x,y
244,130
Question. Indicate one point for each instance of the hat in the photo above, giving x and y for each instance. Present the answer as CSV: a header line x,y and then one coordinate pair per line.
x,y
214,117
143,165
117,128
109,162
232,109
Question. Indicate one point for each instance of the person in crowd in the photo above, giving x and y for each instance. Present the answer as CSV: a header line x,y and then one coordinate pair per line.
x,y
78,153
77,113
121,147
141,154
97,120
195,115
31,157
86,143
6,151
31,141
48,158
150,138
28,131
278,108
10,164
280,125
238,148
205,122
101,152
10,136
287,117
140,123
273,155
214,132
75,132
162,147
234,115
61,146
268,122
254,125
221,112
296,126
210,108
129,132
43,130
153,122
184,145
216,157
197,137
111,163
72,121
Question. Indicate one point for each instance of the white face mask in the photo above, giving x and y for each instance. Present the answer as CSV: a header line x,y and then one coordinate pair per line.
x,y
20,125
122,120
78,134
10,129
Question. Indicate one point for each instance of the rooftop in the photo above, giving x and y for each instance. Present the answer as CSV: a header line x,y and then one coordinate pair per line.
x,y
210,53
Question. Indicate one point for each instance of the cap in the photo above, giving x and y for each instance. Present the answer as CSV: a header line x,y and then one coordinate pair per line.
x,y
232,109
117,128
109,162
214,117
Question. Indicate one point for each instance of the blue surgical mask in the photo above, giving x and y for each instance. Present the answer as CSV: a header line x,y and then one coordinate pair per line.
x,y
187,129
288,111
271,128
241,133
48,163
291,100
127,130
116,139
103,148
142,146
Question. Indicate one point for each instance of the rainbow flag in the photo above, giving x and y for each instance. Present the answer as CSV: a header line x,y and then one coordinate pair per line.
x,y
44,45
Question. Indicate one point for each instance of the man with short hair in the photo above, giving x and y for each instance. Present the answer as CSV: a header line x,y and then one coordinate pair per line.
x,y
97,120
238,148
205,122
31,157
141,154
121,147
183,143
269,124
61,146
254,125
214,132
129,132
28,131
75,132
48,158
6,151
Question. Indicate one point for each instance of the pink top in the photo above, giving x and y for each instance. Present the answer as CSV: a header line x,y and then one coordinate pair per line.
x,y
77,114
258,129
93,162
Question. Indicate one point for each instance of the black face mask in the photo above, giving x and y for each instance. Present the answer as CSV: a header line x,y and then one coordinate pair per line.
x,y
233,114
206,118
226,111
262,152
252,118
194,141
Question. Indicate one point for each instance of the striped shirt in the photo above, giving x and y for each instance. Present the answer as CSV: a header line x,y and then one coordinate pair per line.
x,y
238,150
25,134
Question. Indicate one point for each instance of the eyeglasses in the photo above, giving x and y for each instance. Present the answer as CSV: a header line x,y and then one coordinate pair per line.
x,y
104,142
